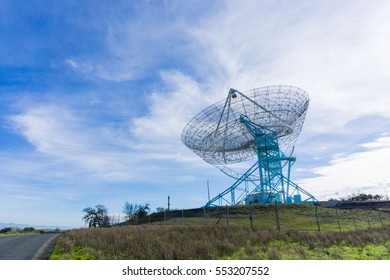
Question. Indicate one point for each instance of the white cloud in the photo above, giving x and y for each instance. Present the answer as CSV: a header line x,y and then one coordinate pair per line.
x,y
382,142
48,128
65,139
86,67
72,63
169,112
349,173
113,71
70,147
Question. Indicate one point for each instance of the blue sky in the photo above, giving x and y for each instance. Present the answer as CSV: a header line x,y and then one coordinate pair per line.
x,y
94,96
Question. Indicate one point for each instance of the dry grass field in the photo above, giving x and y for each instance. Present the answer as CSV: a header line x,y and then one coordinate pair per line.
x,y
198,238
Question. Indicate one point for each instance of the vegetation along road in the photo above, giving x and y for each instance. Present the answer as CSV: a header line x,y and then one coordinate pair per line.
x,y
27,247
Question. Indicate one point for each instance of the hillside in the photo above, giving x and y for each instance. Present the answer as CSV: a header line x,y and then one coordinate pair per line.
x,y
269,216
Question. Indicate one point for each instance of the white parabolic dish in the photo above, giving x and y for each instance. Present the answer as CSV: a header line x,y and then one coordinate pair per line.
x,y
217,135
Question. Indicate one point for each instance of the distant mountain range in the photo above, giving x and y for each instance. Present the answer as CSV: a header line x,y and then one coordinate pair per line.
x,y
22,226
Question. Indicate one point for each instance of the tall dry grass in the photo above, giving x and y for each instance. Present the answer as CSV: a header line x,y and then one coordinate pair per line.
x,y
202,242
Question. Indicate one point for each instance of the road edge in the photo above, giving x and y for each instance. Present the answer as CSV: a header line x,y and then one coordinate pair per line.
x,y
44,252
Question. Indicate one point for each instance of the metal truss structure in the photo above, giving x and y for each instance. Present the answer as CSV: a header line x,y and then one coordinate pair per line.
x,y
261,124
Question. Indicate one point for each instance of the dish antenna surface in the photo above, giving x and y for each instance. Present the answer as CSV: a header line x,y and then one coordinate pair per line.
x,y
261,124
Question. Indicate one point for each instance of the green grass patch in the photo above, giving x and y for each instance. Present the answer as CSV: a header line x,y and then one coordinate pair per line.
x,y
291,216
294,250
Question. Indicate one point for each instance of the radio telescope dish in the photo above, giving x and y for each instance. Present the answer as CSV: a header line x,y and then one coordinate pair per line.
x,y
262,124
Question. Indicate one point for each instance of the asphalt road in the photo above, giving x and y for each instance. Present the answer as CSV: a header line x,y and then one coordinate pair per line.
x,y
27,247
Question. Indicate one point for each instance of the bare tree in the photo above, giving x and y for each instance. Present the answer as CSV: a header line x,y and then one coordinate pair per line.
x,y
137,211
96,217
129,210
143,210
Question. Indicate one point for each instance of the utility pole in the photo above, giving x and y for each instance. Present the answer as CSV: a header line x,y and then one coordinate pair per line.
x,y
169,202
208,190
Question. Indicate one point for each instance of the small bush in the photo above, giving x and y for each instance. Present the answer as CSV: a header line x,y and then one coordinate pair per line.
x,y
6,230
28,229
